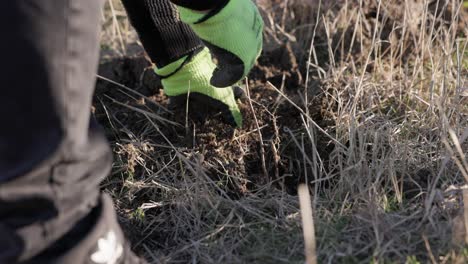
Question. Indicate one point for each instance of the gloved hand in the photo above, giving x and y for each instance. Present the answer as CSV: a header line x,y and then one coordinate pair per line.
x,y
191,75
234,36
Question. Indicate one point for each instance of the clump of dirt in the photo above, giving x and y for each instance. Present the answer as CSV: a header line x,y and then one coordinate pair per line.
x,y
280,67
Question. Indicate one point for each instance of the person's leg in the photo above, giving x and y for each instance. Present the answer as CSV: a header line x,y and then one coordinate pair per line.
x,y
52,157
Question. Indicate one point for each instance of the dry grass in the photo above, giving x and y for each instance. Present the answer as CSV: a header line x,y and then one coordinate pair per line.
x,y
365,100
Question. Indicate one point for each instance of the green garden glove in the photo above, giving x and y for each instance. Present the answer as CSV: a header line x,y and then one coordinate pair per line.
x,y
191,76
234,36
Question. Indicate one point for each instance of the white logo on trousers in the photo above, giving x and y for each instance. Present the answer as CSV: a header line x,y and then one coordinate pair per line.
x,y
109,250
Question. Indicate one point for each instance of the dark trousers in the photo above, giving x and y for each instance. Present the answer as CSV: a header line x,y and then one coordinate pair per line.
x,y
52,154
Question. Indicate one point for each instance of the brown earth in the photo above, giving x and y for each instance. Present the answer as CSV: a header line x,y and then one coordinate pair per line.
x,y
211,138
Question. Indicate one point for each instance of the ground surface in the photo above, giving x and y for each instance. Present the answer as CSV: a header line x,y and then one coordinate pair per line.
x,y
365,102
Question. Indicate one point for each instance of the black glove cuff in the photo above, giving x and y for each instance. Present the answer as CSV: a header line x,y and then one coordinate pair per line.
x,y
201,5
164,37
213,11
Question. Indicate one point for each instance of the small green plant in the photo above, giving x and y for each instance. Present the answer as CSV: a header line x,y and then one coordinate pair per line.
x,y
412,260
138,215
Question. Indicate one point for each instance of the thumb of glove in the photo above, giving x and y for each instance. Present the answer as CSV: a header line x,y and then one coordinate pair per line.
x,y
229,68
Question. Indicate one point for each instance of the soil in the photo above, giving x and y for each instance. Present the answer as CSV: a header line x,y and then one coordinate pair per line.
x,y
241,152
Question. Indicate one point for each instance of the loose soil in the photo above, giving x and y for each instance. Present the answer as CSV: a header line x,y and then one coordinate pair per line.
x,y
215,141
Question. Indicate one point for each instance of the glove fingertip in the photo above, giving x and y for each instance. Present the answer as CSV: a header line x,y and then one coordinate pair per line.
x,y
239,93
237,117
